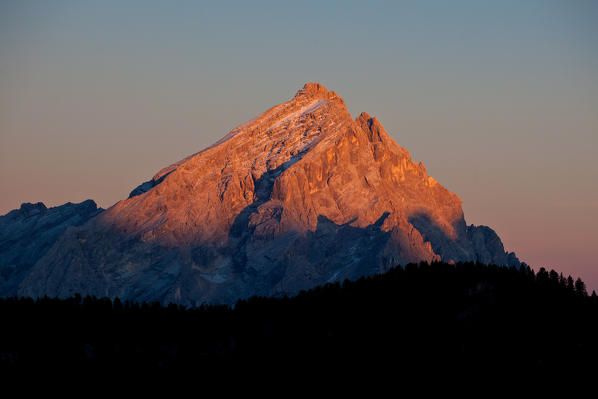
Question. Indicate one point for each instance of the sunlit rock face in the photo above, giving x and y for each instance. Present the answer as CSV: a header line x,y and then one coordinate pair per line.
x,y
301,195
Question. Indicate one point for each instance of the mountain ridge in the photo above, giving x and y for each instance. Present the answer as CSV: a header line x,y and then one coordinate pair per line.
x,y
299,195
27,233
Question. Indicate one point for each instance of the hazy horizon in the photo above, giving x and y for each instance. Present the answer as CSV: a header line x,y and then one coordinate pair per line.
x,y
498,100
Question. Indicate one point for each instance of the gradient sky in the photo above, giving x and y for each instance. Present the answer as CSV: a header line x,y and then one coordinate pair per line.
x,y
499,99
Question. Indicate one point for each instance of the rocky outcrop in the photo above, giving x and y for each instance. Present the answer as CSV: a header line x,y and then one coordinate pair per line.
x,y
27,233
298,196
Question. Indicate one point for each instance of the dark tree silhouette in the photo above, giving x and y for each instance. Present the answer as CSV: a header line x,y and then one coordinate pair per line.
x,y
467,318
580,287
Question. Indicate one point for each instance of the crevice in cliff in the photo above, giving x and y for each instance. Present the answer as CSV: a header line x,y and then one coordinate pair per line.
x,y
148,185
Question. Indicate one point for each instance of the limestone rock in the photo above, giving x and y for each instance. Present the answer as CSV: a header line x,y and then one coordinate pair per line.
x,y
301,195
27,233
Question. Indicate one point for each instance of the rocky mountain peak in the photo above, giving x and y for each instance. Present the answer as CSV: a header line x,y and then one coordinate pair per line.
x,y
314,90
300,195
29,209
373,127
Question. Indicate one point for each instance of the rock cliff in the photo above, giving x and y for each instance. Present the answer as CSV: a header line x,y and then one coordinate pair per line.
x,y
301,195
27,233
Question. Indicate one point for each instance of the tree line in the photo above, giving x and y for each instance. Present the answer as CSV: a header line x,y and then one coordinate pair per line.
x,y
434,317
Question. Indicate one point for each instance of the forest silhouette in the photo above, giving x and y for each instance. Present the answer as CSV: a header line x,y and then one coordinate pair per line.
x,y
438,316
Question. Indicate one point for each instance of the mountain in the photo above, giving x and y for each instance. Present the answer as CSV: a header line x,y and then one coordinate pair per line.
x,y
27,233
301,195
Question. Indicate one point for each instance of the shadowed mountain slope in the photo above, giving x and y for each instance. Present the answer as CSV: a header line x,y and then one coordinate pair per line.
x,y
27,233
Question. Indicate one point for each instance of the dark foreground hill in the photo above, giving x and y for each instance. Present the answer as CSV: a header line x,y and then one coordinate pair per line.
x,y
420,318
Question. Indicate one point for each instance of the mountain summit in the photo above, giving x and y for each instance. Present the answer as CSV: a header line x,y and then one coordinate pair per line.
x,y
301,195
